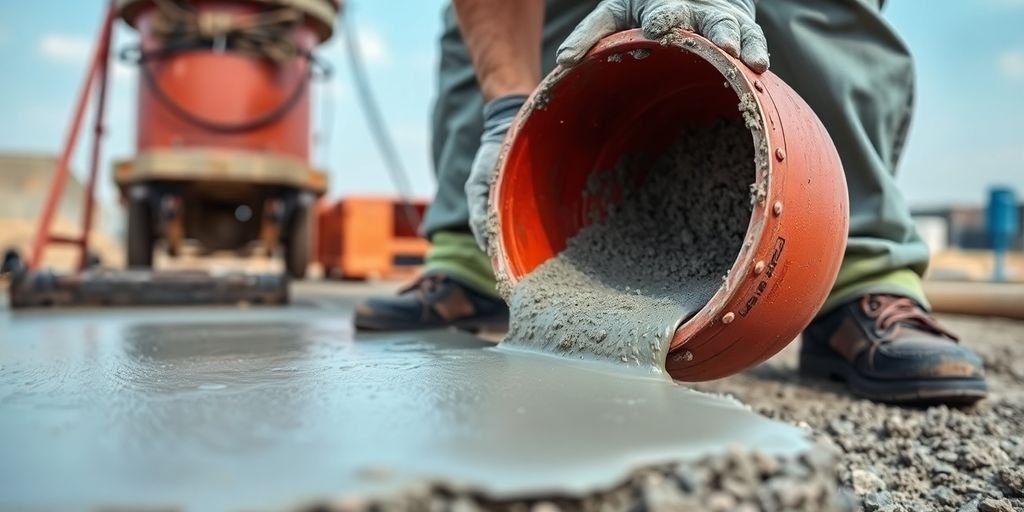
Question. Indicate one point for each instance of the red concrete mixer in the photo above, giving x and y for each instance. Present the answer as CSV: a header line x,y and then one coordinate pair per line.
x,y
223,126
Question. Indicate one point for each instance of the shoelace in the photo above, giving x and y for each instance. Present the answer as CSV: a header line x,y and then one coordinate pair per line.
x,y
425,285
890,310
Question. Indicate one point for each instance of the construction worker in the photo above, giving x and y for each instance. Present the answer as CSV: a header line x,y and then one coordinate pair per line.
x,y
841,56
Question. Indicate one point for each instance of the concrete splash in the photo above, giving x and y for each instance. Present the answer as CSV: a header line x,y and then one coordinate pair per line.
x,y
228,409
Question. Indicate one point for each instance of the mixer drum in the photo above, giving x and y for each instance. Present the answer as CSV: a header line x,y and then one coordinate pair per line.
x,y
223,127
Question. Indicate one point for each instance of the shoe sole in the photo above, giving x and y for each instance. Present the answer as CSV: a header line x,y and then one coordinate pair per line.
x,y
958,392
473,326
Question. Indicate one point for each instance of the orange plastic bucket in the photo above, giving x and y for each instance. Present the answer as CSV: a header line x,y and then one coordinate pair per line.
x,y
625,97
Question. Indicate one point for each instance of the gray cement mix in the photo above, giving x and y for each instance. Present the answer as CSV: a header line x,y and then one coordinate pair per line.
x,y
665,231
285,409
225,409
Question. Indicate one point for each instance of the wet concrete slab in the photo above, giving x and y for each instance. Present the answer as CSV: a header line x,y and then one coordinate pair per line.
x,y
218,409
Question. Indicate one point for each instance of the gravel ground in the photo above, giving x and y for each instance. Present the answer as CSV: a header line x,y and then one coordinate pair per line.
x,y
737,481
922,459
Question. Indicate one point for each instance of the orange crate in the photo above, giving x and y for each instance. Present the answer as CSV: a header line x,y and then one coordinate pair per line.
x,y
370,237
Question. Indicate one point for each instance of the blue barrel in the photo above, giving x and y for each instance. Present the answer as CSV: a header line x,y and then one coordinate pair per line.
x,y
1002,217
1003,222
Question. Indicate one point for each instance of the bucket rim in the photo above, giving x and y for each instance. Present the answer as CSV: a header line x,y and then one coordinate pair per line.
x,y
735,74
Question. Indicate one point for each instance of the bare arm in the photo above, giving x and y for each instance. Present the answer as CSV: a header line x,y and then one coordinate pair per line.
x,y
504,41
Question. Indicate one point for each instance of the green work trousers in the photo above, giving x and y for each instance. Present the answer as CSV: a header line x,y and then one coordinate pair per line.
x,y
841,56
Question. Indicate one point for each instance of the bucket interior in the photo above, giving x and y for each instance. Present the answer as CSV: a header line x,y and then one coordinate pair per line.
x,y
615,105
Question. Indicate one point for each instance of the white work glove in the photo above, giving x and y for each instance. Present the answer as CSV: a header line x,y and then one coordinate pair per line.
x,y
498,116
727,23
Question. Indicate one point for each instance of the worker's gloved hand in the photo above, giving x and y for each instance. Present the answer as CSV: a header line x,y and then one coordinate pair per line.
x,y
727,23
498,116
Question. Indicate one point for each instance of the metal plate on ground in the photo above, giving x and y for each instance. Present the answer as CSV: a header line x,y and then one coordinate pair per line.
x,y
145,288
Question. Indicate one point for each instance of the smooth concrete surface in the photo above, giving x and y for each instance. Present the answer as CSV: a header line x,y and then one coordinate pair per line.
x,y
212,409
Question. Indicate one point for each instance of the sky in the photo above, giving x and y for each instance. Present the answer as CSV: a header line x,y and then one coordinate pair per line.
x,y
967,134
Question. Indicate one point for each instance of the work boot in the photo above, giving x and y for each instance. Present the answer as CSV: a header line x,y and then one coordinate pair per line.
x,y
889,349
433,301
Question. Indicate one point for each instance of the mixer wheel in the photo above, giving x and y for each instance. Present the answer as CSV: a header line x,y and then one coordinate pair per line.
x,y
141,234
297,243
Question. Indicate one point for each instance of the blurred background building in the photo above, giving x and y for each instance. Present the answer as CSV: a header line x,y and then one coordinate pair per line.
x,y
962,227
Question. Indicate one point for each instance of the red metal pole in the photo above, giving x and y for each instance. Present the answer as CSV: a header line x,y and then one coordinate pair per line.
x,y
103,54
60,175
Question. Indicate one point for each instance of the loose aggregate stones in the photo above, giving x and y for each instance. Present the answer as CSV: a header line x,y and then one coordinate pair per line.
x,y
911,459
665,231
736,481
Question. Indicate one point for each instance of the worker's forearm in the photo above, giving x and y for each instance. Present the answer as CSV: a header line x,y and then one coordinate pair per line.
x,y
504,41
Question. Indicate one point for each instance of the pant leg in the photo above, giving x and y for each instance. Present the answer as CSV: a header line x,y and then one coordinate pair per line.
x,y
848,63
457,126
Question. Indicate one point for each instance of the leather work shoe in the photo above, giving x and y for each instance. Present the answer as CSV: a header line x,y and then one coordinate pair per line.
x,y
433,301
889,349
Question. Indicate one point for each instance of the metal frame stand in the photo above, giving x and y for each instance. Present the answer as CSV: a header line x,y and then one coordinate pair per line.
x,y
98,72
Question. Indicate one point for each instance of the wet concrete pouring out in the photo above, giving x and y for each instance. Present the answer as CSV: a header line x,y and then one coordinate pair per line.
x,y
232,408
624,283
250,408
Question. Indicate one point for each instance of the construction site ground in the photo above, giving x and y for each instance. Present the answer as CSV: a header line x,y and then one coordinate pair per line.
x,y
911,459
889,458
